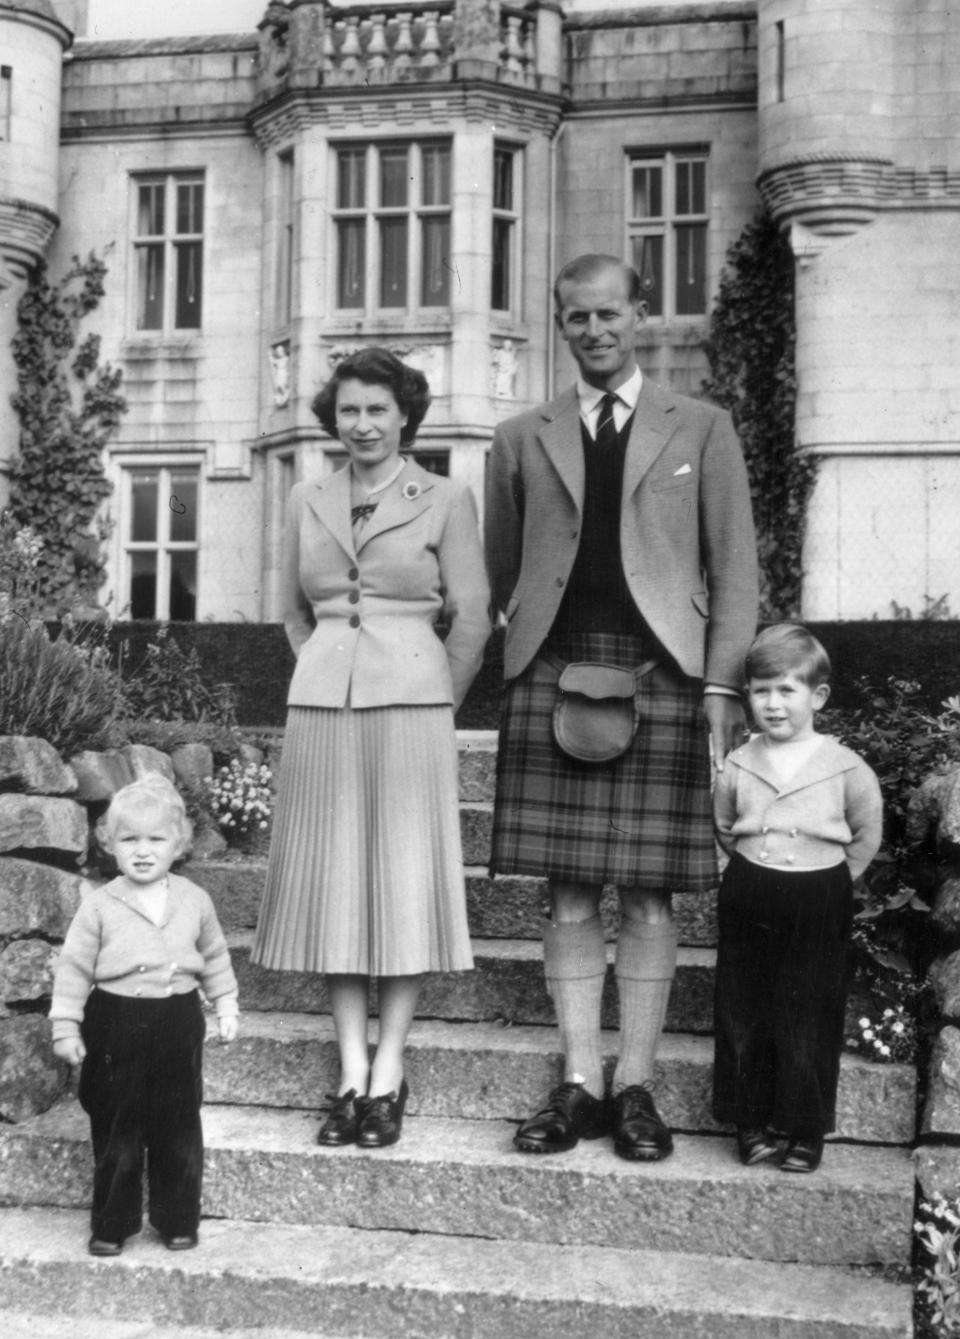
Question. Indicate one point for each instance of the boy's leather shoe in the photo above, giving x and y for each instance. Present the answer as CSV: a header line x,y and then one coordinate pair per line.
x,y
571,1114
638,1132
97,1246
803,1155
380,1119
755,1145
340,1126
184,1243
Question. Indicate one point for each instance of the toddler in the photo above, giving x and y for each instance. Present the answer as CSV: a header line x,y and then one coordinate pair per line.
x,y
127,1009
800,816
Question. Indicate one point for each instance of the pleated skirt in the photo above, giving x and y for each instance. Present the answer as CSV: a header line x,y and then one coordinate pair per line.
x,y
365,872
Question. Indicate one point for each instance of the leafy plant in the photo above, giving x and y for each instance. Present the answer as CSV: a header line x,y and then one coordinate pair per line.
x,y
169,685
69,405
937,1231
890,1039
751,354
242,797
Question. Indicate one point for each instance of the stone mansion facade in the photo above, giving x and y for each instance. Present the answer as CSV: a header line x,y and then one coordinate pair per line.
x,y
413,172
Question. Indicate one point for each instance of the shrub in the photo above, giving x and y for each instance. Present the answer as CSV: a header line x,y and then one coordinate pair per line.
x,y
59,690
937,1230
169,685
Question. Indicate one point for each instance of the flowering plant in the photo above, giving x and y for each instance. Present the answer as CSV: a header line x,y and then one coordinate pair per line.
x,y
20,549
937,1229
890,1040
242,797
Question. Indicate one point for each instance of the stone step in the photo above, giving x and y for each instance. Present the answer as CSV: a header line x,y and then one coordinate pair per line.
x,y
506,984
33,1325
384,1285
464,1179
500,908
485,1071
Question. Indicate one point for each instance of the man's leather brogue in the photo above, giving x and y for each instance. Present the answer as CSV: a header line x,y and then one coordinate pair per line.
x,y
571,1114
638,1132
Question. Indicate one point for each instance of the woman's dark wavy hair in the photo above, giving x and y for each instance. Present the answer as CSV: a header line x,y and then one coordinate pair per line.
x,y
377,367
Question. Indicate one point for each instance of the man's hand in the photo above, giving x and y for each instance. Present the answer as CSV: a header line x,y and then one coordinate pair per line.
x,y
70,1049
727,720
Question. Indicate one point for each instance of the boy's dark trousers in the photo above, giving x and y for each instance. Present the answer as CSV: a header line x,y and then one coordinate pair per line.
x,y
141,1086
781,991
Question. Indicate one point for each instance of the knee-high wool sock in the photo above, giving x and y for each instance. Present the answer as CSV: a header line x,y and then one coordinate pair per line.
x,y
575,965
645,965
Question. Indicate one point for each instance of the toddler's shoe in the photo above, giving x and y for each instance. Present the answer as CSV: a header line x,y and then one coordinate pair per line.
x,y
755,1145
97,1246
802,1155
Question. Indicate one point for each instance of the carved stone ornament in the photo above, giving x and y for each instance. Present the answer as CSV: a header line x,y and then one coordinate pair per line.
x,y
280,372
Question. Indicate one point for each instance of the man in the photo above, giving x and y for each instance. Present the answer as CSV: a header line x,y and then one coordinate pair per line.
x,y
618,531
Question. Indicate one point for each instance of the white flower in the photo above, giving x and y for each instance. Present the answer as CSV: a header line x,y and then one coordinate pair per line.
x,y
864,1022
868,1034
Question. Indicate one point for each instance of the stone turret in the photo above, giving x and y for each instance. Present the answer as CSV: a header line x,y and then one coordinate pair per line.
x,y
32,43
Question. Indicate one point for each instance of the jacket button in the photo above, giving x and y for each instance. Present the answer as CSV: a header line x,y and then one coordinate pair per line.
x,y
559,581
354,597
354,620
574,534
353,573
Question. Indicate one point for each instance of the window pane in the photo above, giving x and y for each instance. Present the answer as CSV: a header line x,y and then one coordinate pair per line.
x,y
183,586
648,263
143,585
150,202
351,178
393,178
143,506
190,207
647,192
393,262
502,179
691,187
436,175
691,270
189,259
500,285
435,288
150,280
283,300
352,245
183,506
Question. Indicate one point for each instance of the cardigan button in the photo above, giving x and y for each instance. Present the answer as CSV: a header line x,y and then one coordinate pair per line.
x,y
354,620
353,573
354,597
141,968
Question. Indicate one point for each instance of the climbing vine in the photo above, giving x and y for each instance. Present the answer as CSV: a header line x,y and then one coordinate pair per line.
x,y
69,405
751,354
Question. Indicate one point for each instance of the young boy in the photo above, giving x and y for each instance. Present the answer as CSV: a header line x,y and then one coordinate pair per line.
x,y
800,816
126,1007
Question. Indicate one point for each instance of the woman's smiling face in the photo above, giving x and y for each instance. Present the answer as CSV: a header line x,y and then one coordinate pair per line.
x,y
369,423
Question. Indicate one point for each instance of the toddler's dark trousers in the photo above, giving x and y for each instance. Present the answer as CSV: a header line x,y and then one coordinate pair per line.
x,y
781,990
141,1086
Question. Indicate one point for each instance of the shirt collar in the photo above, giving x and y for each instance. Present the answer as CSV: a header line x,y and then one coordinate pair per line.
x,y
590,396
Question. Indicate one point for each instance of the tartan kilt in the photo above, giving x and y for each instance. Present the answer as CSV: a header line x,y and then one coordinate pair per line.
x,y
643,820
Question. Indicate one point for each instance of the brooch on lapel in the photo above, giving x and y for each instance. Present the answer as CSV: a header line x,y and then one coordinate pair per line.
x,y
411,491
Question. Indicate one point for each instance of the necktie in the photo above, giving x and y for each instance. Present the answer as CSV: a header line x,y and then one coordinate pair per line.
x,y
606,434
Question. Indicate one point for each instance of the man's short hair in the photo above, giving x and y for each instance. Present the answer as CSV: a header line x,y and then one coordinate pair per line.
x,y
583,268
788,648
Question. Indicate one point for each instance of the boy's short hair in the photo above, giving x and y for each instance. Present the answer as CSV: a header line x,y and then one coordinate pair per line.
x,y
150,792
788,648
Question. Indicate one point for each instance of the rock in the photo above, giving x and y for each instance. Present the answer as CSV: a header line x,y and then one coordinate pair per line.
x,y
144,760
26,970
934,807
941,1113
946,907
33,766
250,755
192,764
945,980
101,775
43,823
208,843
31,1077
36,899
938,1170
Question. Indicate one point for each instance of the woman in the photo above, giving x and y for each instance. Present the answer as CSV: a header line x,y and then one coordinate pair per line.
x,y
365,876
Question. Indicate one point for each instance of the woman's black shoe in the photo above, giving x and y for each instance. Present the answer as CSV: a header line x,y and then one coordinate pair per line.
x,y
380,1119
803,1155
755,1145
340,1126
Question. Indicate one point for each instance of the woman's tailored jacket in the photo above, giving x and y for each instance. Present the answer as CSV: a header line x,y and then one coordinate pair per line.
x,y
360,612
829,811
112,943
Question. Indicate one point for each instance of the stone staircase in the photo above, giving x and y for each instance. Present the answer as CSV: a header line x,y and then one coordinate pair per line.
x,y
451,1234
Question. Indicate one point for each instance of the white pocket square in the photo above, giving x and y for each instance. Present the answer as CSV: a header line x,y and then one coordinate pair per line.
x,y
684,469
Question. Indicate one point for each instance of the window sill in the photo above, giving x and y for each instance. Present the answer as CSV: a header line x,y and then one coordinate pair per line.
x,y
151,344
